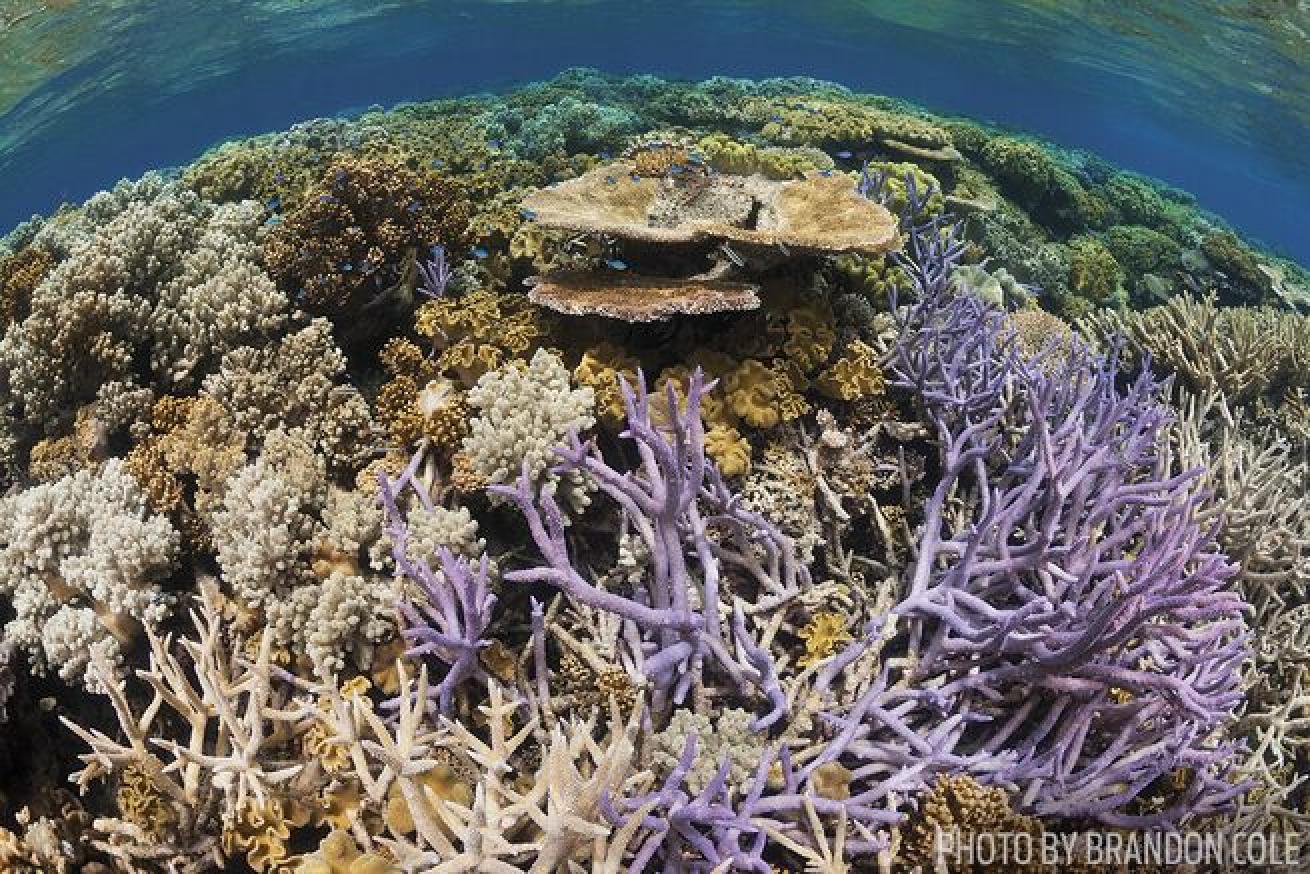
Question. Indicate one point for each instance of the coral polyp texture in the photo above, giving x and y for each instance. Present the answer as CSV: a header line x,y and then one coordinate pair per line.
x,y
622,475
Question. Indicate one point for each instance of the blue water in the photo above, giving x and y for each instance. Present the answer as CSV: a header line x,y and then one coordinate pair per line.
x,y
154,83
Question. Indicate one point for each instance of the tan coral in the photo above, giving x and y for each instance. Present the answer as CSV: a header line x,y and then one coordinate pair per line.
x,y
632,298
818,214
338,854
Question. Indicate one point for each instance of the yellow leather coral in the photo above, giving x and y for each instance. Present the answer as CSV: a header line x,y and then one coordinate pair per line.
x,y
761,395
853,376
444,782
338,854
811,334
713,409
728,155
142,804
600,368
259,832
730,451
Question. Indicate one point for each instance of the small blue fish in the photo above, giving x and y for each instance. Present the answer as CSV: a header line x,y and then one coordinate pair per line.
x,y
341,177
273,220
615,264
636,177
279,177
605,156
437,164
825,172
845,155
414,206
775,117
610,180
495,144
695,160
347,266
274,204
528,214
480,252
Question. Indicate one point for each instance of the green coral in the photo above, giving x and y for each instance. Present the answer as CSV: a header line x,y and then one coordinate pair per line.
x,y
728,155
1231,257
820,122
873,278
1140,250
895,196
1094,274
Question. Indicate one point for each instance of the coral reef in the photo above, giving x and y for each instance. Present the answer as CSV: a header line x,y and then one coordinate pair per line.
x,y
628,475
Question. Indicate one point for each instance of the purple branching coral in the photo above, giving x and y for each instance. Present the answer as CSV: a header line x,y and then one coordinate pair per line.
x,y
1067,613
450,617
695,531
436,273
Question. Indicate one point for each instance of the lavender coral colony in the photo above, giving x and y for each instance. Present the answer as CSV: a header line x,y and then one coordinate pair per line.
x,y
621,475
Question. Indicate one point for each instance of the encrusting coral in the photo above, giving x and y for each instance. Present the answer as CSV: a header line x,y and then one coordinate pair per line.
x,y
622,475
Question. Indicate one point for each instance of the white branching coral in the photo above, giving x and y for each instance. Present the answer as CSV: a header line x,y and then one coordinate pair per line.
x,y
267,533
227,713
523,414
296,383
728,738
166,278
82,559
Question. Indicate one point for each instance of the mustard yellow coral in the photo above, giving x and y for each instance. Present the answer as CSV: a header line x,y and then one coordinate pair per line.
x,y
259,832
855,375
811,334
338,854
730,451
823,635
763,396
600,368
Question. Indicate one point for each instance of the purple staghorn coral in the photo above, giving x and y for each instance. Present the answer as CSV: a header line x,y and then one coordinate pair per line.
x,y
1066,606
450,620
695,531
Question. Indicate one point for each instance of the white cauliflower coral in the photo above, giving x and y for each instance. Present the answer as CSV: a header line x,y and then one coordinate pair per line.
x,y
81,560
523,414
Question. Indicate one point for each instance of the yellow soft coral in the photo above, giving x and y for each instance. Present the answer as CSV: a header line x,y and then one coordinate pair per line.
x,y
259,832
811,334
600,368
443,782
822,636
763,396
338,854
730,451
142,804
713,409
855,375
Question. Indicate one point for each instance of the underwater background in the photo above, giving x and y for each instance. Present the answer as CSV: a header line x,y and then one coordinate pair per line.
x,y
1209,95
687,437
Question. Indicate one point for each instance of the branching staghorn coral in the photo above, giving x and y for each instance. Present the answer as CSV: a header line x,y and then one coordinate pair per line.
x,y
1126,588
672,502
1242,352
223,759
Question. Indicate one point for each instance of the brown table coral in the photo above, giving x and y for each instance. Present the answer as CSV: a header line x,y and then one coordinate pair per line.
x,y
632,298
820,214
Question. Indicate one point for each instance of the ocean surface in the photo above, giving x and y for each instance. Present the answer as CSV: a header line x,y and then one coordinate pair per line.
x,y
1211,96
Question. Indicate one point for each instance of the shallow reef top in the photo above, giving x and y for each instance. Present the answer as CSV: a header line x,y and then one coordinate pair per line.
x,y
622,475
